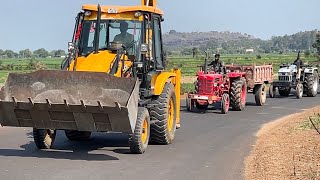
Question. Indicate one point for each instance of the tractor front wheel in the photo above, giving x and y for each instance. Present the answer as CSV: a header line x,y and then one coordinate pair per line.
x,y
260,94
299,91
225,103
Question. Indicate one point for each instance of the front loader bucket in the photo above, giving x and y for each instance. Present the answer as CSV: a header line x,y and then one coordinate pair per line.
x,y
70,100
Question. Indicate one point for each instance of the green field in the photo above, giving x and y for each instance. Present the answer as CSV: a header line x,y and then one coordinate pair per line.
x,y
187,64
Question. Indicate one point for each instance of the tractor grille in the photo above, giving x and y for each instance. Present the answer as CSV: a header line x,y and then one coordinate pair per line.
x,y
206,86
285,78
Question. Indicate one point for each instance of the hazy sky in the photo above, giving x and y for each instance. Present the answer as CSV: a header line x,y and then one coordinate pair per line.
x,y
49,23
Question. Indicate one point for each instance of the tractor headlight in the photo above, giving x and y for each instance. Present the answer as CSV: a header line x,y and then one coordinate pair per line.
x,y
87,13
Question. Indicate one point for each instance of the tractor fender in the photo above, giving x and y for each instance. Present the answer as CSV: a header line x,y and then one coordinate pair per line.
x,y
160,80
310,70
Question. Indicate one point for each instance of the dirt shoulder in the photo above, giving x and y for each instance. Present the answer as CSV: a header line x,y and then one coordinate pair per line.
x,y
286,149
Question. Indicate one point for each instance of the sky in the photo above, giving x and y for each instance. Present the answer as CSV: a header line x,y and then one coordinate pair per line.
x,y
49,24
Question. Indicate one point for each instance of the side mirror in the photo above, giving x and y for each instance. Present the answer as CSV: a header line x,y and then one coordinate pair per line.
x,y
144,48
71,46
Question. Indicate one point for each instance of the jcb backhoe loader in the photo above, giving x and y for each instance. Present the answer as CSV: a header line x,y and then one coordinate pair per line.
x,y
113,80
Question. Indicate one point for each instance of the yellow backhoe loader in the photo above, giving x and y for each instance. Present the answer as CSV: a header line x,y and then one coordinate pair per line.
x,y
113,80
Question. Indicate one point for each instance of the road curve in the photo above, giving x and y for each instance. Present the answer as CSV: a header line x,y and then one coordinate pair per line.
x,y
208,146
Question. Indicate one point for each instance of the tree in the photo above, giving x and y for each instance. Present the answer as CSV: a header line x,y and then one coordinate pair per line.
x,y
27,53
41,53
172,32
10,54
195,52
59,53
316,45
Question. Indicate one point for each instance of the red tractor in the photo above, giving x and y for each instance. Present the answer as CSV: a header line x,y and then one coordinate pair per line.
x,y
230,89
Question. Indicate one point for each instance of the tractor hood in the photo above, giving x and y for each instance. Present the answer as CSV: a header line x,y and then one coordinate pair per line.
x,y
288,69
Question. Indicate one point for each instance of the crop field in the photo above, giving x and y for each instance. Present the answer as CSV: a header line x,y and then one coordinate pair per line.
x,y
188,65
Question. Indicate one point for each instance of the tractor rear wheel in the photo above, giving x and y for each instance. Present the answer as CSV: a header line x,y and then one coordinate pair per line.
x,y
260,94
77,135
311,84
284,92
225,103
138,141
164,114
238,94
44,138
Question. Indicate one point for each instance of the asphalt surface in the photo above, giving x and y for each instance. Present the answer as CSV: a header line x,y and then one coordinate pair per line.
x,y
208,146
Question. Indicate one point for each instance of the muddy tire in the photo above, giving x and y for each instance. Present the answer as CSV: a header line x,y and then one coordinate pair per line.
x,y
299,91
138,141
272,91
44,138
284,92
77,135
163,114
260,94
311,84
238,93
225,103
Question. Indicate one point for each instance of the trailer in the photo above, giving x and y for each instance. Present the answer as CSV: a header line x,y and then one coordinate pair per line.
x,y
257,78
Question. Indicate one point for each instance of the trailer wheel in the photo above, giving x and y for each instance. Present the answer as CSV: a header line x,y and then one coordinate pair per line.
x,y
311,84
225,103
260,94
44,138
138,141
299,91
238,94
272,91
77,135
164,115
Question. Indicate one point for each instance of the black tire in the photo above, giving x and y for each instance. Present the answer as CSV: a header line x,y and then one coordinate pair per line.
x,y
44,138
225,103
284,92
272,91
77,135
160,132
260,94
299,91
188,104
311,84
202,107
238,87
138,141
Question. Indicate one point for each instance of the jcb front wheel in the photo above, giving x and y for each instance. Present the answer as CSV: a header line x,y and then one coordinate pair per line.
x,y
44,138
138,141
163,114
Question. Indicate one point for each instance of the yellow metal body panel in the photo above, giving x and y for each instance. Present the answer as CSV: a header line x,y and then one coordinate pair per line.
x,y
123,16
122,9
101,62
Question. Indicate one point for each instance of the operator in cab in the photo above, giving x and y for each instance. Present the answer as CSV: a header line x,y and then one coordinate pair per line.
x,y
124,37
217,64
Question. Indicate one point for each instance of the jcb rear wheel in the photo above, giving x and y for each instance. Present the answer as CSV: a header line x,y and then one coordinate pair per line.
x,y
138,141
164,115
77,135
44,138
238,94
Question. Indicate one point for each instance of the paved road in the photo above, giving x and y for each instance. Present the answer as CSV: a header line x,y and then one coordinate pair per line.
x,y
208,146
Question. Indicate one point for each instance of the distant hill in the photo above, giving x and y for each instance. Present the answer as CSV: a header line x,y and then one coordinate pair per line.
x,y
235,42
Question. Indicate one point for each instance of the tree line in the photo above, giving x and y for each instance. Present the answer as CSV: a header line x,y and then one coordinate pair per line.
x,y
27,53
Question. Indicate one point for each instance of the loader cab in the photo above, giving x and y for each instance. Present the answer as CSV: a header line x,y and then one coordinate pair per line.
x,y
141,44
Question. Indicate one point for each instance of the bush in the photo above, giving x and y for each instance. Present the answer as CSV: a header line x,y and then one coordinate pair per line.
x,y
258,56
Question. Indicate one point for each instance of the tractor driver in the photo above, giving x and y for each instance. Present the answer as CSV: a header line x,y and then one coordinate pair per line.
x,y
217,65
124,37
298,62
